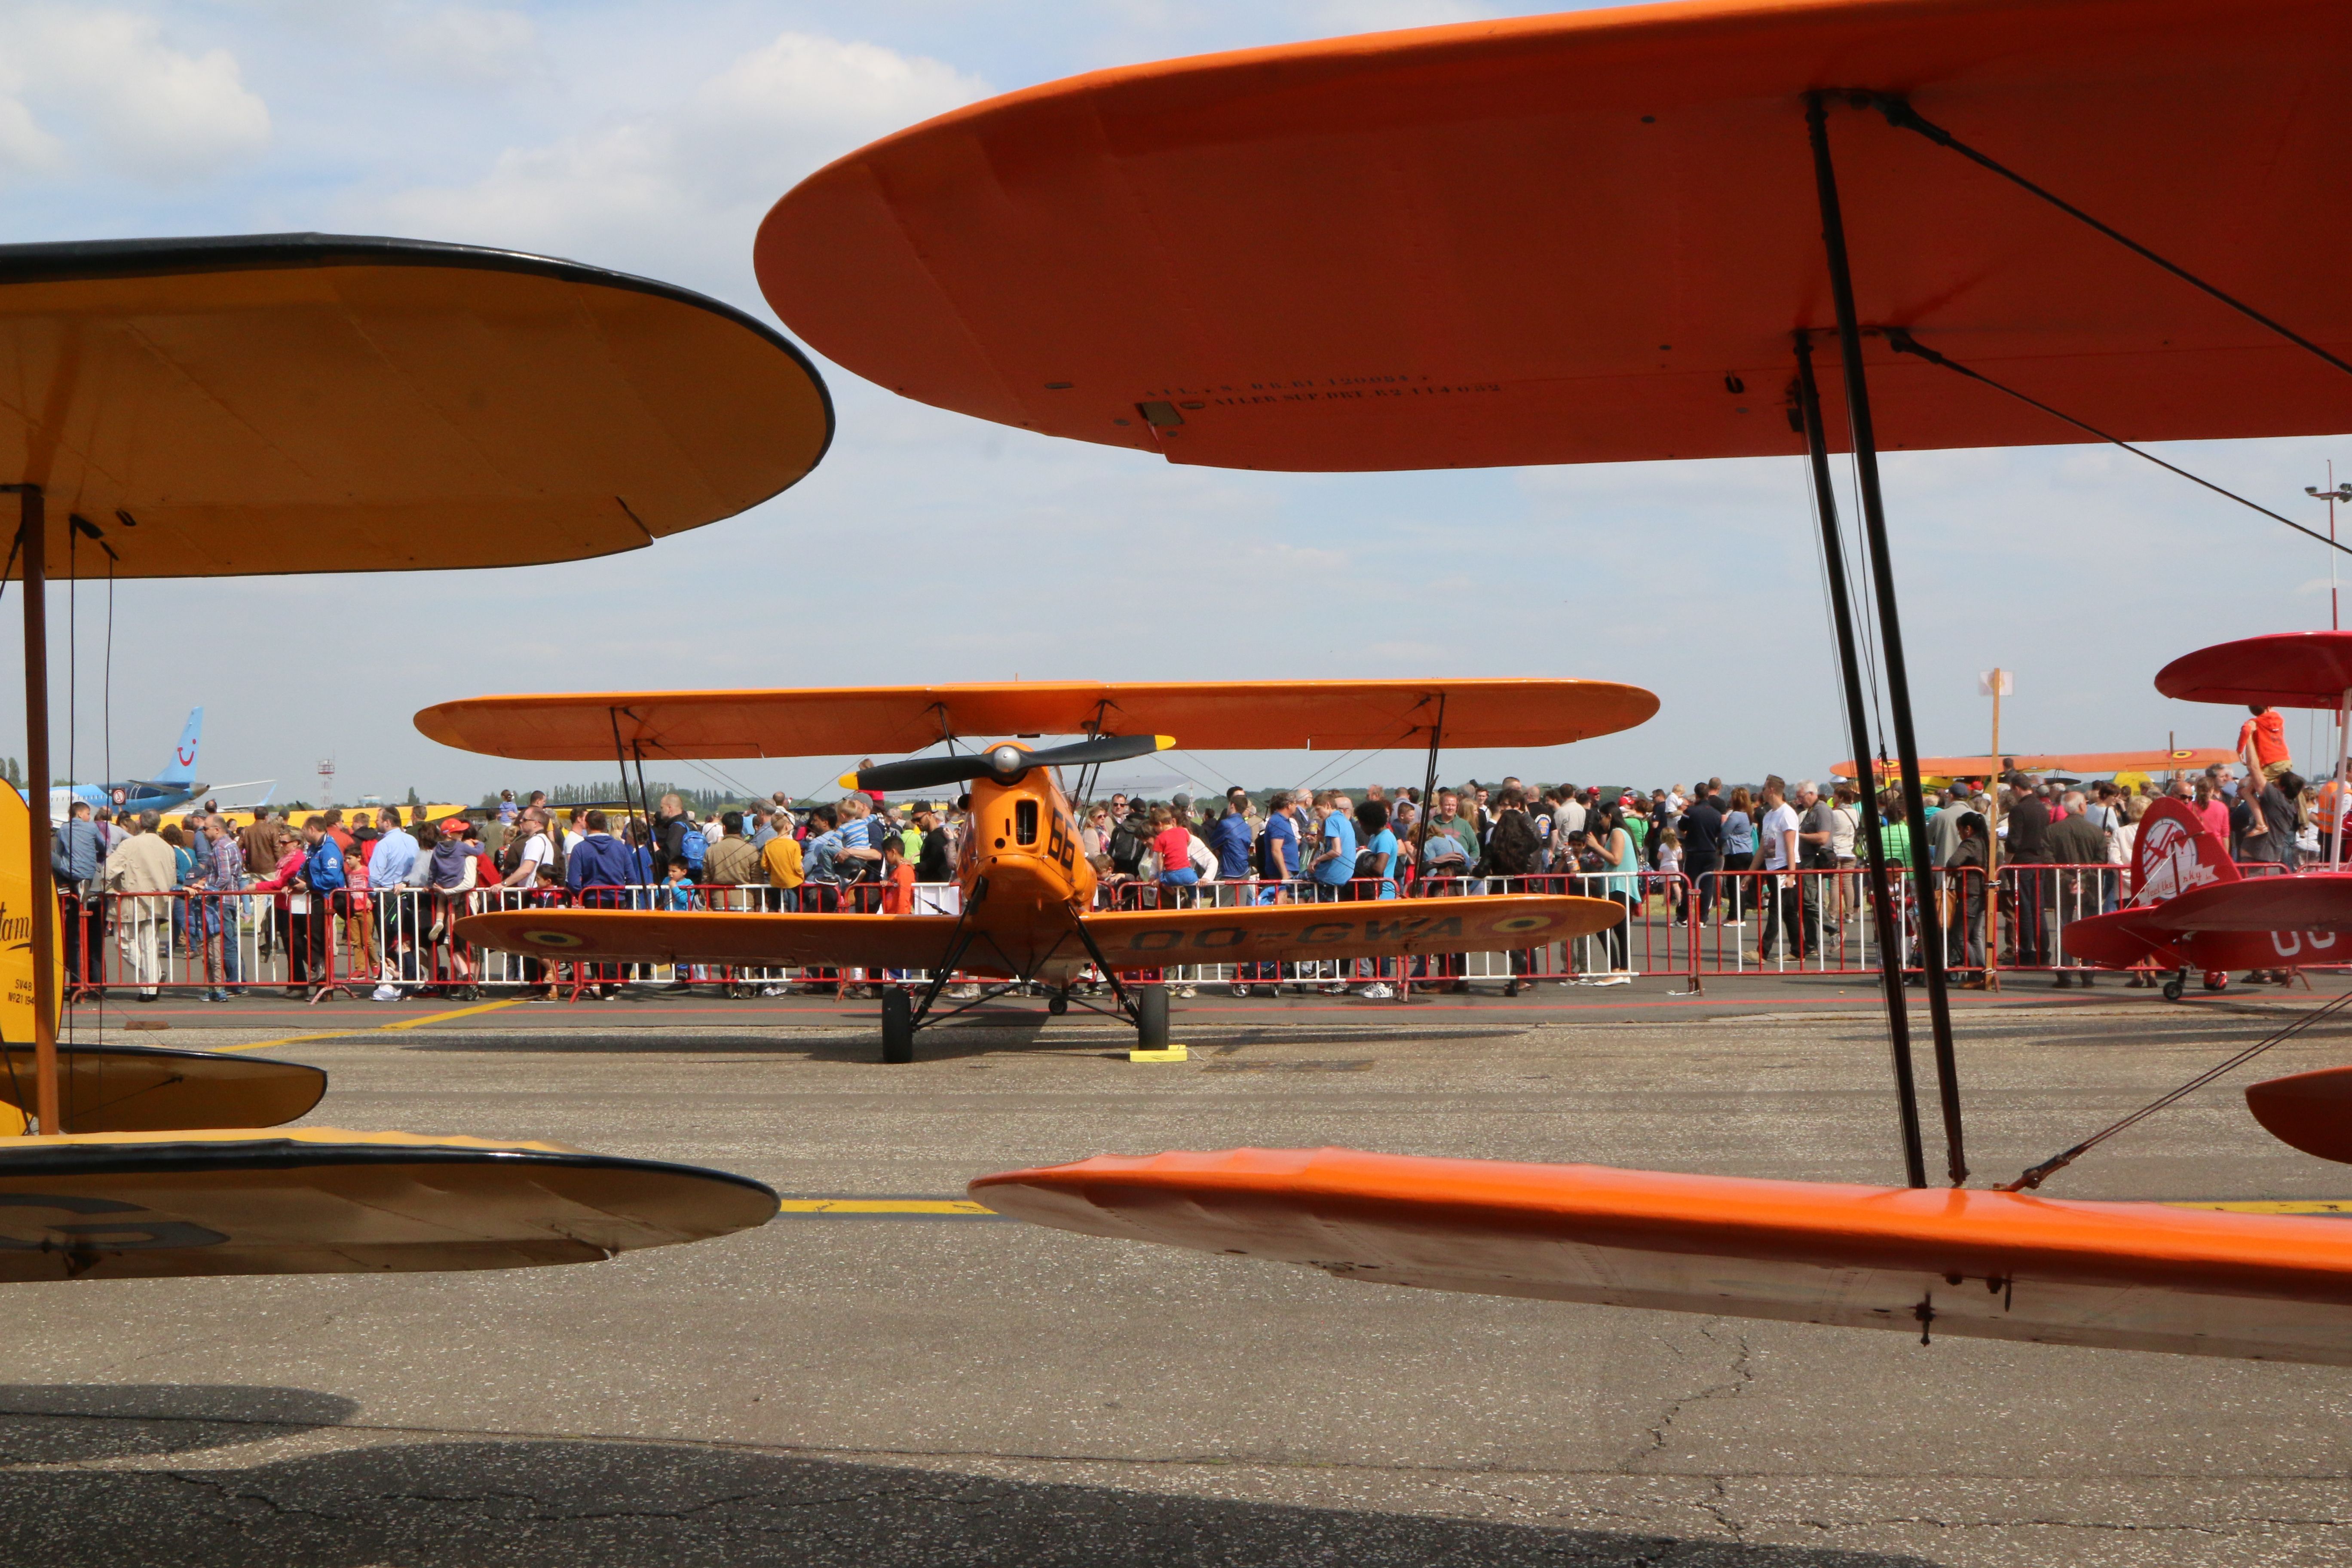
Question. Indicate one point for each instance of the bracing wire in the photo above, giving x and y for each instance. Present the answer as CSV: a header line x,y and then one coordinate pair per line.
x,y
2057,1162
1829,607
1904,342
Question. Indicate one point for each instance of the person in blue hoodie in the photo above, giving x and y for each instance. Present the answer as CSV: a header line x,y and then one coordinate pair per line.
x,y
323,875
76,850
601,871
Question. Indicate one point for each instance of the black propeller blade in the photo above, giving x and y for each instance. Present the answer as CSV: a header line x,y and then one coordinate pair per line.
x,y
1004,763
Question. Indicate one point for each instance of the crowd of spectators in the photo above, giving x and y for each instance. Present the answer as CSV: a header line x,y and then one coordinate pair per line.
x,y
392,884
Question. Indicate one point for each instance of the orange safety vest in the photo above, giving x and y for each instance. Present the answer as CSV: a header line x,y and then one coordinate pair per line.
x,y
2329,806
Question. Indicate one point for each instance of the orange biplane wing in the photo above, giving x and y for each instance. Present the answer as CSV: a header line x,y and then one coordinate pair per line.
x,y
1374,930
753,941
2010,1266
1233,715
2184,760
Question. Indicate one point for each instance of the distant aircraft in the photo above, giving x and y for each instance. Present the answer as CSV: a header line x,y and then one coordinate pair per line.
x,y
1025,912
175,784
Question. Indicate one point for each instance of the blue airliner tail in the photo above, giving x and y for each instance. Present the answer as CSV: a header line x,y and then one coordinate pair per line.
x,y
181,768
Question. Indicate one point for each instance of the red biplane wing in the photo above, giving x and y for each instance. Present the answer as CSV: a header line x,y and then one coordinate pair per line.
x,y
1990,1265
2321,902
2121,939
1373,930
752,941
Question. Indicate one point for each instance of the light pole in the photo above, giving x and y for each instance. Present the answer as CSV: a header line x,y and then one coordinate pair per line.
x,y
2331,494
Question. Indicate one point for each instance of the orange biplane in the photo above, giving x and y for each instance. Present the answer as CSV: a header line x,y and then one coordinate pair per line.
x,y
1026,912
1621,234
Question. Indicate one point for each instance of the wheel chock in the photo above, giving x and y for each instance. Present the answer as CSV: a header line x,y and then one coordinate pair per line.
x,y
1172,1054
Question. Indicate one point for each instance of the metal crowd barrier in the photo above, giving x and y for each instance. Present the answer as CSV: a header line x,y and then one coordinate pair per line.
x,y
1722,924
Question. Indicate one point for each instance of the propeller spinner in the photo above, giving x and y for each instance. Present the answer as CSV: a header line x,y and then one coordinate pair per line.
x,y
1005,763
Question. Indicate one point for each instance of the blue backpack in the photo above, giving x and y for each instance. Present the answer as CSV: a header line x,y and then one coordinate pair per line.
x,y
694,846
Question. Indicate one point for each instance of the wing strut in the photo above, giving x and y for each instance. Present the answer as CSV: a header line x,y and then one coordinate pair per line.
x,y
1890,629
1882,894
32,536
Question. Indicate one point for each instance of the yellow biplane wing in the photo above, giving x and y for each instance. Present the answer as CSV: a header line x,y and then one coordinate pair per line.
x,y
318,1200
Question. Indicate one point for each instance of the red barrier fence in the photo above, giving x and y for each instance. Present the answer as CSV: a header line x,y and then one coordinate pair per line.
x,y
398,942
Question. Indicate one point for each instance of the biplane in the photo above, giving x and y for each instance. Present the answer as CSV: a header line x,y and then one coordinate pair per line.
x,y
1715,228
260,404
2191,910
1026,912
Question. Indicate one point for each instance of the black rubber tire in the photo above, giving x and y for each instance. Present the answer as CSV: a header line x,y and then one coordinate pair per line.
x,y
1152,1018
897,1026
2172,989
1058,1003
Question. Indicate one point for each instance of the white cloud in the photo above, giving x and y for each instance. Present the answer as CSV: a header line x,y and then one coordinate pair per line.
x,y
472,43
107,88
664,189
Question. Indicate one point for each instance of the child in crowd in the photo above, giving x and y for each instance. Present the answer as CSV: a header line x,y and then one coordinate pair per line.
x,y
1670,866
898,887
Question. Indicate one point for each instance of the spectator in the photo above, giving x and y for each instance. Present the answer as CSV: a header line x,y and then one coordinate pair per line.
x,y
1605,835
1964,868
141,872
1334,866
1094,838
2076,840
732,862
1229,836
1512,844
781,861
218,918
1701,830
601,872
321,880
77,850
2262,743
2026,846
1783,934
1739,853
1175,846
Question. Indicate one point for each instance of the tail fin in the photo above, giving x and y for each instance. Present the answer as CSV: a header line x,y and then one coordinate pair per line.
x,y
2174,852
181,768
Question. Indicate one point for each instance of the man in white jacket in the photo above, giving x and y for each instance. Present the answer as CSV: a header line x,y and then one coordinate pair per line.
x,y
143,868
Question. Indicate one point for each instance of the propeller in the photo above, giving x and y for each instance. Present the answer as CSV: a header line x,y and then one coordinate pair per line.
x,y
1005,763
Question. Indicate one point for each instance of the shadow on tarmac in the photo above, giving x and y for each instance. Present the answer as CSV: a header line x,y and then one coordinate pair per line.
x,y
583,1503
66,1423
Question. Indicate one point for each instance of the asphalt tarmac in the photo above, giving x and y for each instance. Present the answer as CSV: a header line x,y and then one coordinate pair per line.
x,y
968,1390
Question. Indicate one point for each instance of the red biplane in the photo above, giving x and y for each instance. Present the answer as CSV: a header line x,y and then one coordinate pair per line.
x,y
1026,894
2190,908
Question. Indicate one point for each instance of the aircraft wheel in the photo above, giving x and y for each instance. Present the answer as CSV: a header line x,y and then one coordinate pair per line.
x,y
1152,1018
1058,1003
897,1026
2216,980
2172,988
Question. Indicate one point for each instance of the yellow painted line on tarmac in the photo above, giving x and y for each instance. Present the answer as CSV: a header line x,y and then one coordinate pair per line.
x,y
2318,1208
884,1208
375,1028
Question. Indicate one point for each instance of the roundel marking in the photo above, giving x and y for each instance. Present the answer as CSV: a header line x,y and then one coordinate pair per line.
x,y
1522,922
554,939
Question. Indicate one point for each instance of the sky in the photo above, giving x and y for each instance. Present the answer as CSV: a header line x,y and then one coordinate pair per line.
x,y
652,138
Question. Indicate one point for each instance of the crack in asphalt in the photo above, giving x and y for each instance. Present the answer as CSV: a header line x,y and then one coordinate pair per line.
x,y
1740,1376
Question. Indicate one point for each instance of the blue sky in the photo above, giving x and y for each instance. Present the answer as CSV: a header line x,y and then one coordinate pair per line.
x,y
652,138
